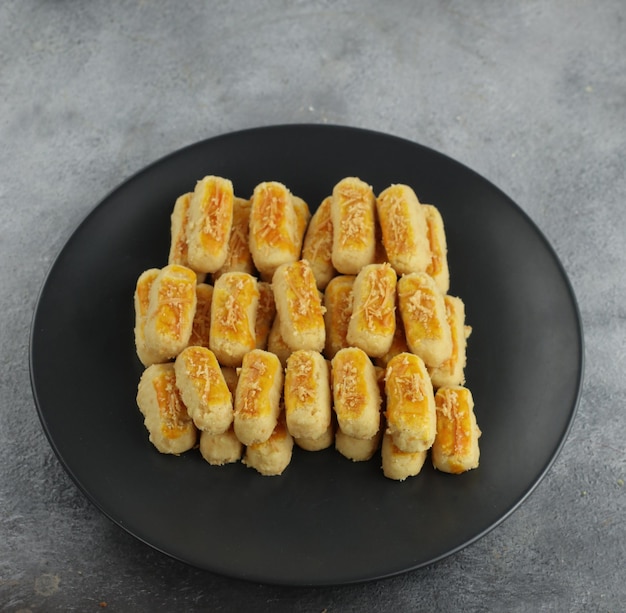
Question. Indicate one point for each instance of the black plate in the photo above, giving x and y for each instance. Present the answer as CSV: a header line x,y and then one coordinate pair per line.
x,y
326,520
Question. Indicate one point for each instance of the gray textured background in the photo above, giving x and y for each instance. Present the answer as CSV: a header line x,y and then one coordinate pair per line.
x,y
530,94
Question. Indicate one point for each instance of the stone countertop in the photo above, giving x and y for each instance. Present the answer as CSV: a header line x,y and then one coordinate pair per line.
x,y
532,95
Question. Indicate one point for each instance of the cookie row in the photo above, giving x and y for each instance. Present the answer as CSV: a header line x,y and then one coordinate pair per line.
x,y
213,231
371,311
365,277
264,409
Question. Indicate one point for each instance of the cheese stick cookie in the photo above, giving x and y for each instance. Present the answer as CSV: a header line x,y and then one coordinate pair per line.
x,y
178,230
276,344
403,226
307,394
423,313
299,306
233,317
272,456
274,227
238,256
171,309
220,449
257,399
142,303
438,266
356,449
356,395
398,464
166,418
210,223
303,216
265,314
338,305
353,215
201,327
179,221
451,372
455,449
318,244
203,389
319,443
373,322
410,411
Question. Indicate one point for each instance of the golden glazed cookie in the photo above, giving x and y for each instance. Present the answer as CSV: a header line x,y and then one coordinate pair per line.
x,y
372,323
455,449
220,449
275,228
423,313
410,410
171,309
272,456
257,399
142,303
170,427
318,245
338,306
353,215
303,216
451,372
210,223
356,396
404,232
238,256
233,317
319,443
307,394
178,231
438,266
203,389
179,221
201,327
265,314
398,464
357,449
299,306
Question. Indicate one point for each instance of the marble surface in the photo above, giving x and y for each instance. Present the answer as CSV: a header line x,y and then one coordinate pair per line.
x,y
532,95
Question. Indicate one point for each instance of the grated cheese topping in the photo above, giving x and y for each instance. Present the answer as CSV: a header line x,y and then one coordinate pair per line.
x,y
301,373
378,308
254,372
319,239
174,301
232,312
302,295
396,232
216,215
172,411
201,322
456,416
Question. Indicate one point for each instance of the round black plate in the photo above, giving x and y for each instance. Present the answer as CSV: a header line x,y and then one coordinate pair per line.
x,y
326,520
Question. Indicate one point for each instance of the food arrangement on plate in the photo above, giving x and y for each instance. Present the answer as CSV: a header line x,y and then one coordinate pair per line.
x,y
524,367
270,326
